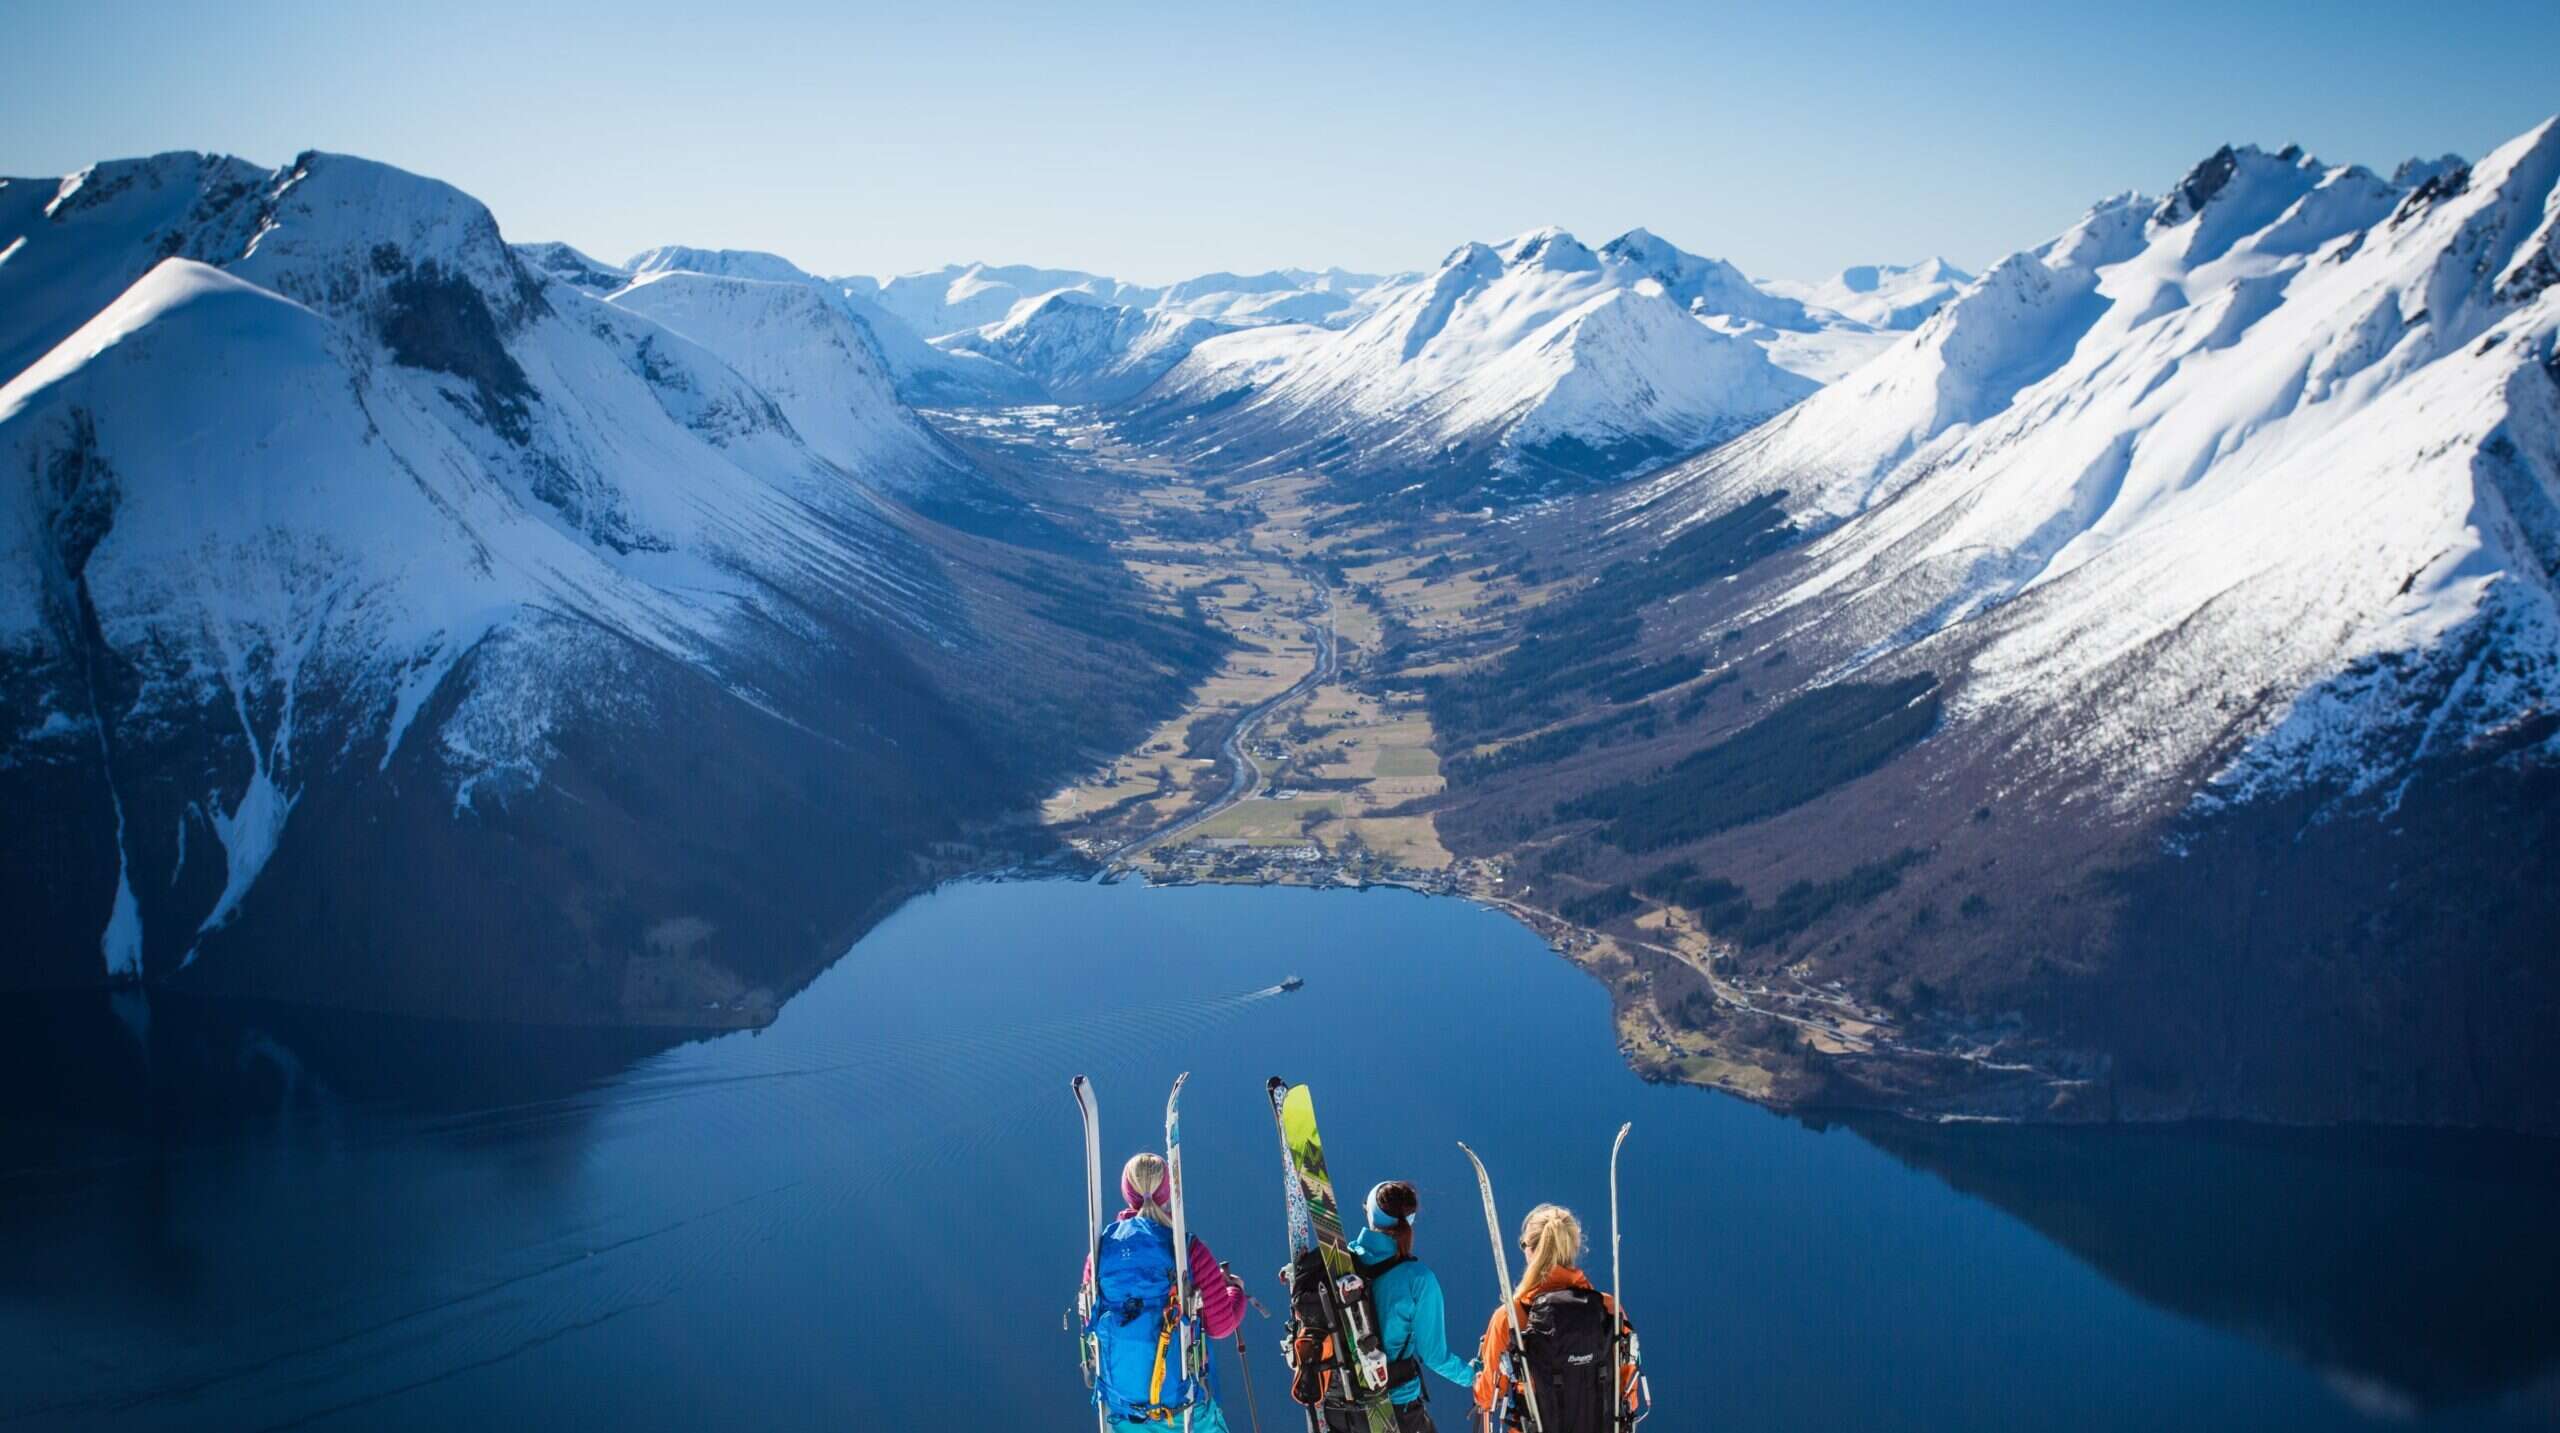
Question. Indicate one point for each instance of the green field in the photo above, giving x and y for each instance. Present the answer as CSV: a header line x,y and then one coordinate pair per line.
x,y
1266,822
1408,761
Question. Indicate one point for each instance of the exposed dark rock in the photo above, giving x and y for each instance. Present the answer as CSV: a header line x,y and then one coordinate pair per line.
x,y
2189,195
438,321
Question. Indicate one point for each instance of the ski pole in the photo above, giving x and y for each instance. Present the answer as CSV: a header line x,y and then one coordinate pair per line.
x,y
1244,1369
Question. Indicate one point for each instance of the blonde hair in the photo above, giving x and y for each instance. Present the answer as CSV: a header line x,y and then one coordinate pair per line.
x,y
1552,1238
1143,1176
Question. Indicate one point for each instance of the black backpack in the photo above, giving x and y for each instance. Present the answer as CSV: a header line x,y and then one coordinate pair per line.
x,y
1565,1343
1316,1349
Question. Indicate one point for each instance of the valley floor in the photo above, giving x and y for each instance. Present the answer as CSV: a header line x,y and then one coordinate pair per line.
x,y
1308,757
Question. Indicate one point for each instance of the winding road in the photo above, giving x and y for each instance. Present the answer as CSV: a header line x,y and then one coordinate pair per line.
x,y
1244,774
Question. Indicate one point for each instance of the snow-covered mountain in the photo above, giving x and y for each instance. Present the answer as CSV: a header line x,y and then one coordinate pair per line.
x,y
935,302
1333,298
2289,410
799,344
921,373
1082,350
960,298
2222,533
1512,368
1882,296
1034,351
387,620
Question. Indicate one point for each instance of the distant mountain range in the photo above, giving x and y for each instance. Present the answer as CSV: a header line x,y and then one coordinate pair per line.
x,y
1511,369
1882,296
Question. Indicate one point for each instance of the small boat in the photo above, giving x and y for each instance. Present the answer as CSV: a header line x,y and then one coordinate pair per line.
x,y
1292,983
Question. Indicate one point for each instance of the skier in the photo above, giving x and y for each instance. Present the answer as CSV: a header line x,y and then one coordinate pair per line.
x,y
1140,1383
1413,1319
1567,1328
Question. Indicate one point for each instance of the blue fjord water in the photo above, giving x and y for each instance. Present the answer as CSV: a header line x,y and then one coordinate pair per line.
x,y
869,1215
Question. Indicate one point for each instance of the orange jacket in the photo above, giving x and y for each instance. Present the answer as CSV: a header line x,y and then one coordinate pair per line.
x,y
1490,1384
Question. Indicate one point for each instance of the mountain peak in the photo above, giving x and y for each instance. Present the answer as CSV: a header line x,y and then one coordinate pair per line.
x,y
2415,171
1547,248
2216,173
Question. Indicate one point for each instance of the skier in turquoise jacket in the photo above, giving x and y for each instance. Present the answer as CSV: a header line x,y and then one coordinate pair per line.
x,y
1413,1322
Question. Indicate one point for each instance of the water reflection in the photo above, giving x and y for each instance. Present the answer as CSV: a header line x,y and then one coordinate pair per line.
x,y
2416,1269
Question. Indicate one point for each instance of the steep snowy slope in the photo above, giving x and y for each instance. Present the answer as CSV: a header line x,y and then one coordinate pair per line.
x,y
385,623
797,344
1081,350
68,246
2182,424
1883,296
2151,661
922,374
1510,370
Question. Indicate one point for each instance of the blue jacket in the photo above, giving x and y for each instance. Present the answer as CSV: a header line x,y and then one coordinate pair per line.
x,y
1413,1319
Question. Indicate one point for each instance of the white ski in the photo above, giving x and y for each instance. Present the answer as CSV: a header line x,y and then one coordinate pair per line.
x,y
1617,1300
1088,1345
1510,1307
1184,1296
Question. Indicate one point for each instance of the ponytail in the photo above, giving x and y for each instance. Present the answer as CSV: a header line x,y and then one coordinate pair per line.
x,y
1552,1238
1391,1207
1142,1183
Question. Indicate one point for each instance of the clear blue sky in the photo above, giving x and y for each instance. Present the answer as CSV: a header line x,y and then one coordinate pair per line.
x,y
1155,141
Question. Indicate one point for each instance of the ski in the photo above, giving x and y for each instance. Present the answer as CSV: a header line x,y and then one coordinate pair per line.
x,y
1517,1368
1186,1300
1617,1300
1088,1344
1302,1235
1358,1348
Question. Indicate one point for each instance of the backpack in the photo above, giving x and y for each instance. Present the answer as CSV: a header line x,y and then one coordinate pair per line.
x,y
1565,1343
1317,1349
1137,1334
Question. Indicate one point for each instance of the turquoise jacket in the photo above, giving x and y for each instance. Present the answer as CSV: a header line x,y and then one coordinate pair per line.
x,y
1413,1320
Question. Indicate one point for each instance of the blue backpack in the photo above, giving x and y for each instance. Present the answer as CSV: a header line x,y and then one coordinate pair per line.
x,y
1141,1374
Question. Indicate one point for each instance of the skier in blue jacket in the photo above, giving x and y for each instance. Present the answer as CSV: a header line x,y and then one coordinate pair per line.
x,y
1413,1320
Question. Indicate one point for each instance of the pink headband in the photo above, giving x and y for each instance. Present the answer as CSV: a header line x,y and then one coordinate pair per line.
x,y
1129,1192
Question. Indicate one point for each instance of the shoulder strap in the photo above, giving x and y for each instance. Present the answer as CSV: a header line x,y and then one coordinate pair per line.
x,y
1372,1272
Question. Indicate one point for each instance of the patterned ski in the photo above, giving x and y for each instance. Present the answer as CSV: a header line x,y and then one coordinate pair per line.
x,y
1364,1362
